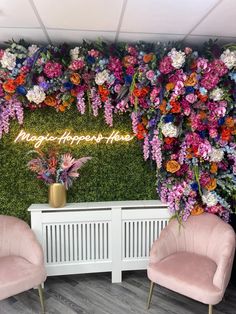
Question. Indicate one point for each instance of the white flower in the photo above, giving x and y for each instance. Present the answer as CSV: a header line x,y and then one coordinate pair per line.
x,y
36,94
169,130
8,60
32,49
209,199
216,94
74,53
177,57
216,155
229,58
101,77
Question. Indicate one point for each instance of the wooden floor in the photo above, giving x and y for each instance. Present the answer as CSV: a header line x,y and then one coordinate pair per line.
x,y
94,294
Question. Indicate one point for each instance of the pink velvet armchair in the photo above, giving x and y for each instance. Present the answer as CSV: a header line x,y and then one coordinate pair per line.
x,y
21,259
194,259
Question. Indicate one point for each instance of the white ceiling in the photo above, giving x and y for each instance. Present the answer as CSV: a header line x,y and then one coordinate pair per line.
x,y
43,21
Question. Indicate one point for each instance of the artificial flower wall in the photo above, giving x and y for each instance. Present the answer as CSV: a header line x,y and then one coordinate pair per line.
x,y
181,103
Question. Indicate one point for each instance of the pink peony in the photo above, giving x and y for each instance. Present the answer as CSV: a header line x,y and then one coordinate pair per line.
x,y
76,64
202,64
166,65
150,75
191,98
93,53
213,133
209,80
52,69
219,67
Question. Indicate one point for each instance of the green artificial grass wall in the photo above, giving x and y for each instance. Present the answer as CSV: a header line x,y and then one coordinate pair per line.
x,y
116,172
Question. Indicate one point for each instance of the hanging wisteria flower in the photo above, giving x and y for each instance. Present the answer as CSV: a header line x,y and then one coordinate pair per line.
x,y
101,77
177,58
169,130
8,60
36,95
216,94
216,155
229,58
209,199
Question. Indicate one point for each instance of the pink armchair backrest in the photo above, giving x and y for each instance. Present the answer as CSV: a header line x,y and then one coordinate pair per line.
x,y
206,235
16,238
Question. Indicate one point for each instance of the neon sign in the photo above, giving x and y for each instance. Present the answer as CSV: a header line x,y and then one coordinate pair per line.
x,y
72,139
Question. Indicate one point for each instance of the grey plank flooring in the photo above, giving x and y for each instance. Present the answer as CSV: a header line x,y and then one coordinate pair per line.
x,y
95,294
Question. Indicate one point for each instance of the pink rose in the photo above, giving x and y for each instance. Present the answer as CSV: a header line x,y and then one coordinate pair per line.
x,y
150,75
191,98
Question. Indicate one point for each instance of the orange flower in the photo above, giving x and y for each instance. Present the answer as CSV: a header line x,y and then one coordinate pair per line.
x,y
170,86
197,210
137,92
229,121
75,78
225,135
191,80
50,101
201,97
8,97
62,108
104,93
175,106
20,80
144,91
211,185
148,57
172,166
202,115
9,86
73,92
169,140
162,106
213,168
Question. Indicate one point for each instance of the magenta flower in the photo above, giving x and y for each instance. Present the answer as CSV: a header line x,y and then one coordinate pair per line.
x,y
209,80
165,66
52,69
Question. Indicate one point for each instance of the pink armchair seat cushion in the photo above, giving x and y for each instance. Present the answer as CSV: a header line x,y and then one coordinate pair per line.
x,y
189,274
17,275
194,259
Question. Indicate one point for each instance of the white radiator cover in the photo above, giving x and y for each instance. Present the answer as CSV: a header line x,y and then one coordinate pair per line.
x,y
98,237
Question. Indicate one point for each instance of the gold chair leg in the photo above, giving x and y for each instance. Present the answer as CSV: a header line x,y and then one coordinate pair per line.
x,y
210,309
150,294
40,289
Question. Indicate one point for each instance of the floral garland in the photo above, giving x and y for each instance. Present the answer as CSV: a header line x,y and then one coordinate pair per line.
x,y
182,107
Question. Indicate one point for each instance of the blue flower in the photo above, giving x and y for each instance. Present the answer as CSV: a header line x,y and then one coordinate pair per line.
x,y
194,186
221,121
90,59
203,91
203,134
128,79
169,118
21,90
189,89
233,76
68,85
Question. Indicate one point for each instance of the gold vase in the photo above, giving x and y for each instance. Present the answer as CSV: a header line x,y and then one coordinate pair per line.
x,y
57,195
